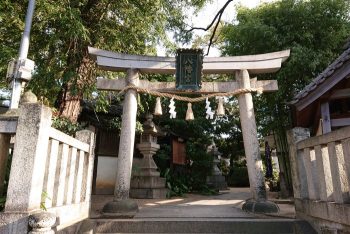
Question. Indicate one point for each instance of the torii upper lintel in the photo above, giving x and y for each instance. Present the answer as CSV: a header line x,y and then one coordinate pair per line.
x,y
255,64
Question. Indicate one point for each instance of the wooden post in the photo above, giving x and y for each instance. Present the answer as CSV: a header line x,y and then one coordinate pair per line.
x,y
4,151
326,118
250,137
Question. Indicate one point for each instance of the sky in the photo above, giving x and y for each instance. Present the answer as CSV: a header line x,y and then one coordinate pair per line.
x,y
206,15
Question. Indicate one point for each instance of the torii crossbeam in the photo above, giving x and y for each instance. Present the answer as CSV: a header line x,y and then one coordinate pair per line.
x,y
241,66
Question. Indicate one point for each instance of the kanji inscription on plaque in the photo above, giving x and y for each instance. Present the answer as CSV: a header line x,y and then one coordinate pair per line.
x,y
189,64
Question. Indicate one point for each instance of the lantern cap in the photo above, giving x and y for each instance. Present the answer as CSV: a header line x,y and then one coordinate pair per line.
x,y
148,126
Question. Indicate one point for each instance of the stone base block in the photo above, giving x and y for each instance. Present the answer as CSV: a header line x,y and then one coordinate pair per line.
x,y
120,209
217,182
147,182
260,206
148,193
146,172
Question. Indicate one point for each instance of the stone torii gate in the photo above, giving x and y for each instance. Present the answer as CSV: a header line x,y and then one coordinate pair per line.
x,y
241,66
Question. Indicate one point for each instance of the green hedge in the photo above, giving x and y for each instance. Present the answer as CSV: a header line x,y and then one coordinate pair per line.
x,y
238,177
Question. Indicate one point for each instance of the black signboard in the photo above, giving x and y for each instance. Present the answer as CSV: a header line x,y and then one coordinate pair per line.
x,y
189,64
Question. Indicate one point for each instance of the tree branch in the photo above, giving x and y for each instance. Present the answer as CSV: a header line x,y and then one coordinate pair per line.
x,y
216,20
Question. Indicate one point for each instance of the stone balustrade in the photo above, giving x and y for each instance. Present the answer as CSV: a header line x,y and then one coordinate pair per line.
x,y
50,171
321,175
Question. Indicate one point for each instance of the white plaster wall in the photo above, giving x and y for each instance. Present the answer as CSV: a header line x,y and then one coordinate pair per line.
x,y
106,174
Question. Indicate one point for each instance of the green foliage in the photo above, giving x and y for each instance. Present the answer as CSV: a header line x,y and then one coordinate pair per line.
x,y
314,30
190,177
44,196
201,163
227,132
177,186
238,177
274,181
193,176
162,158
224,167
2,202
62,30
65,125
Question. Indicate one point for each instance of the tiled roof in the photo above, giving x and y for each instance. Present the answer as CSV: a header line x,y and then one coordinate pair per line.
x,y
345,56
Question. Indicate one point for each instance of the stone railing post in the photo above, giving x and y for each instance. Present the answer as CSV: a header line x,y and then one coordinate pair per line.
x,y
42,223
88,137
29,159
296,161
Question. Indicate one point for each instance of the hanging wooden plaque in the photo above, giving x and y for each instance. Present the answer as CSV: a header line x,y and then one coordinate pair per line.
x,y
189,65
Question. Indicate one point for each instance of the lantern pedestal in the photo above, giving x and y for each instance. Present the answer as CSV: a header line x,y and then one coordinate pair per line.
x,y
146,182
216,180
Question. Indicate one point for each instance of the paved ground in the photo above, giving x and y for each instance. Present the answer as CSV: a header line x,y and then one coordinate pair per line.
x,y
225,205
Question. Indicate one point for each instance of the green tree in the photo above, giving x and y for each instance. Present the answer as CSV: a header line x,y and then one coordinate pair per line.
x,y
314,30
62,31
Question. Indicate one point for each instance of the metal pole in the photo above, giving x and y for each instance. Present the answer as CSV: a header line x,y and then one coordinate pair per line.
x,y
23,52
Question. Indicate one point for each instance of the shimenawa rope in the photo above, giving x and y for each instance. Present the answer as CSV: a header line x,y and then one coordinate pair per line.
x,y
188,99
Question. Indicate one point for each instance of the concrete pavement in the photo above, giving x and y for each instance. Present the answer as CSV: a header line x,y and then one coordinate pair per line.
x,y
225,205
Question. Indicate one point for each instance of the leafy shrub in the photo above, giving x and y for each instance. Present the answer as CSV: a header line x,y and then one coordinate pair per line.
x,y
162,158
181,179
2,202
65,125
201,163
177,186
224,167
238,177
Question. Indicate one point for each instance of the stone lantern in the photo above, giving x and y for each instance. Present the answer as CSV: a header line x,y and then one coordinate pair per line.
x,y
216,180
146,181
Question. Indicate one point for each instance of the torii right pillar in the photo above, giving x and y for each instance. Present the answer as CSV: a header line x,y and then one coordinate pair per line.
x,y
258,203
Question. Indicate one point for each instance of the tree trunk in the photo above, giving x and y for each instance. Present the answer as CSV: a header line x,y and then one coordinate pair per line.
x,y
73,92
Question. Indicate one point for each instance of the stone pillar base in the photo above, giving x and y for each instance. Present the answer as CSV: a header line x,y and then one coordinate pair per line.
x,y
120,209
260,206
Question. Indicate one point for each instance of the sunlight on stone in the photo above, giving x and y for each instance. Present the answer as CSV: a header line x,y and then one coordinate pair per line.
x,y
214,202
150,204
169,201
163,202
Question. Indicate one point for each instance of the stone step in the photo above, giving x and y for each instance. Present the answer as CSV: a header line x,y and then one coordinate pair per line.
x,y
201,225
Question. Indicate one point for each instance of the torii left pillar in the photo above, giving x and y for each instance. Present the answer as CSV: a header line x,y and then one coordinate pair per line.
x,y
122,206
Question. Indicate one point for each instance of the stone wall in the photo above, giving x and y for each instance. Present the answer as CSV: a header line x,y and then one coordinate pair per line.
x,y
321,175
50,170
